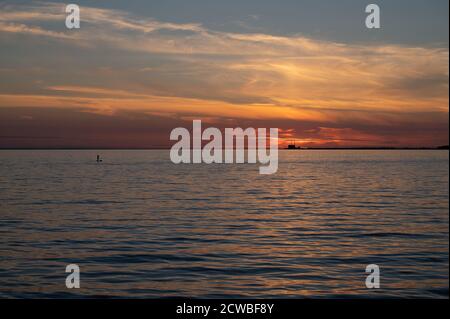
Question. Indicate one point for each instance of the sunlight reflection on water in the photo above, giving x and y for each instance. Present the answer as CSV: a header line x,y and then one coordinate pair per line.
x,y
140,226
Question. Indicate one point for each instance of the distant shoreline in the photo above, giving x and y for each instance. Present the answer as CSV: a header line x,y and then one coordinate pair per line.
x,y
440,148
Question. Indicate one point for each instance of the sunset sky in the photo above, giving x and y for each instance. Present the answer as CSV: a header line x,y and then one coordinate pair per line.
x,y
137,69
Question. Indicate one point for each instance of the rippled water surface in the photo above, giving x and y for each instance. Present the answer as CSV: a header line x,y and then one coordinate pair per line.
x,y
140,226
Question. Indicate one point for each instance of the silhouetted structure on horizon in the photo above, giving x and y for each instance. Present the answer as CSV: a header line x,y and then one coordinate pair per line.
x,y
292,146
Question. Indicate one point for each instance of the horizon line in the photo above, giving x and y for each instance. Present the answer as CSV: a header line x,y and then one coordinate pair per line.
x,y
443,147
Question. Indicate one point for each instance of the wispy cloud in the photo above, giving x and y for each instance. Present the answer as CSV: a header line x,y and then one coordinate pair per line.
x,y
32,30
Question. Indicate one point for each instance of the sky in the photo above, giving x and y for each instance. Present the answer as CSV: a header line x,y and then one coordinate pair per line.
x,y
135,70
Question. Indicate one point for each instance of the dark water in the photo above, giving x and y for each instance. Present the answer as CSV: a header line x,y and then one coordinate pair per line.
x,y
139,226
